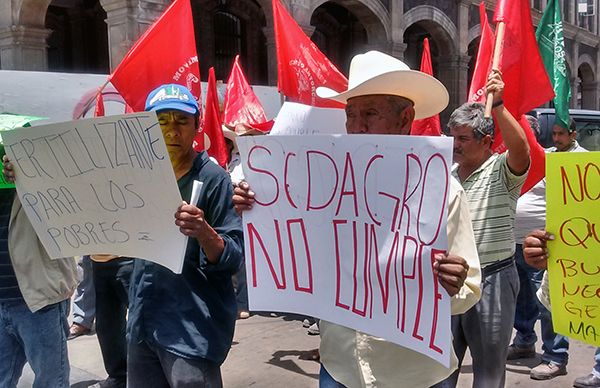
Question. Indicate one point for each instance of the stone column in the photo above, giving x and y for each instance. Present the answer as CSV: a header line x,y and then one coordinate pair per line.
x,y
398,49
271,54
24,48
308,29
384,47
575,82
463,27
126,22
589,95
397,45
453,72
300,11
574,70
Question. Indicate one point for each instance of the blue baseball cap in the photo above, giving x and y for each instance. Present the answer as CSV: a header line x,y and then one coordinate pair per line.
x,y
171,96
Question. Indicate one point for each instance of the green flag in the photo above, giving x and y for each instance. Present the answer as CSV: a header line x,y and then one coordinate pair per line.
x,y
549,35
10,121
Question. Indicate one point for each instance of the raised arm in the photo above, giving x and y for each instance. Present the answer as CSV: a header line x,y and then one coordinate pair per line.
x,y
512,133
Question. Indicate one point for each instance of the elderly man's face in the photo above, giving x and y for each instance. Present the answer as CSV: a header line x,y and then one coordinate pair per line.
x,y
562,138
379,115
179,130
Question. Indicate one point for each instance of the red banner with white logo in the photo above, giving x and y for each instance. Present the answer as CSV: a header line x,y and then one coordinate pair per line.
x,y
301,66
156,59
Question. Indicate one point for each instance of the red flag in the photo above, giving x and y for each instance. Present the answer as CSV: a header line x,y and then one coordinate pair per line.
x,y
99,110
483,62
155,60
430,126
212,123
527,83
301,66
525,77
241,106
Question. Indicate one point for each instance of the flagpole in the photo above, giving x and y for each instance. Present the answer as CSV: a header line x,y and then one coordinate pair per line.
x,y
495,62
93,98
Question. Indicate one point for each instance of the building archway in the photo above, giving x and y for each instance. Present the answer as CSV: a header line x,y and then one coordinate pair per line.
x,y
346,28
371,13
226,28
79,38
450,68
586,90
32,13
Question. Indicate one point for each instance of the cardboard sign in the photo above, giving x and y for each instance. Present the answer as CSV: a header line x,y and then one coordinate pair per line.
x,y
573,216
102,185
345,228
300,119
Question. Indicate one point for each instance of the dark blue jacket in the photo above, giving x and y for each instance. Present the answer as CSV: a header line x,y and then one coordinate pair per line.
x,y
192,314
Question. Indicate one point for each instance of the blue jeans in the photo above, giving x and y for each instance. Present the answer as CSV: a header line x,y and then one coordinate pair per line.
x,y
326,380
84,302
153,366
529,309
486,329
597,363
241,288
111,282
39,338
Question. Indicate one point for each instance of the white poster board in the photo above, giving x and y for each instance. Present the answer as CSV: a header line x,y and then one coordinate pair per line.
x,y
299,119
101,185
344,228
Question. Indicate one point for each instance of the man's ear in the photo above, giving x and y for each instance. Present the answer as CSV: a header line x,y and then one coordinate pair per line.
x,y
408,116
487,141
573,135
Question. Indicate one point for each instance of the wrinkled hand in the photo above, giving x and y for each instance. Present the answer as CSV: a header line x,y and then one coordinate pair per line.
x,y
8,170
535,250
451,271
495,85
190,220
243,197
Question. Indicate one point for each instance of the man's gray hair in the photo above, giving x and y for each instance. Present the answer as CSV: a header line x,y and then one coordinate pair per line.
x,y
534,124
470,115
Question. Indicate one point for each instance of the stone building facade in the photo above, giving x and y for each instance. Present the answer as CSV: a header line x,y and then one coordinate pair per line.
x,y
94,35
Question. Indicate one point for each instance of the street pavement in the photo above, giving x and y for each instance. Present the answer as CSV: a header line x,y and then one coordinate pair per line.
x,y
273,350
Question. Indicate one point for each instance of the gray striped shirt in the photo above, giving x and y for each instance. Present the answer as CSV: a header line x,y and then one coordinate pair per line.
x,y
492,191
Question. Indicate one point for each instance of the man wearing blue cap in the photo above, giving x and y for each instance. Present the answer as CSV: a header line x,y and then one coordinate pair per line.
x,y
181,326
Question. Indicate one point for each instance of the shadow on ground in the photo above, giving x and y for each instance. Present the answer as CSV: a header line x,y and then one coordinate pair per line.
x,y
285,359
84,384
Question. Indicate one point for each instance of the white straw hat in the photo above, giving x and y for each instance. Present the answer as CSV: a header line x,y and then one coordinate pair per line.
x,y
377,73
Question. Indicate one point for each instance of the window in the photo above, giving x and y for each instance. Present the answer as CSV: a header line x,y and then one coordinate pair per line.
x,y
228,42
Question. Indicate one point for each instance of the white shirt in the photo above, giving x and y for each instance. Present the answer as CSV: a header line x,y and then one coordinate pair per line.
x,y
357,360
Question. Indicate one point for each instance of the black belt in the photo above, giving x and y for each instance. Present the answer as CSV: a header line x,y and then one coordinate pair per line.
x,y
497,266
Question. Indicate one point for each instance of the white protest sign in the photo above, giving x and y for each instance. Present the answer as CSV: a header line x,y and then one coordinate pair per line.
x,y
300,119
101,185
344,228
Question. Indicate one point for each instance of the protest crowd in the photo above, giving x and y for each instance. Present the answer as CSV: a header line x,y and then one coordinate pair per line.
x,y
484,279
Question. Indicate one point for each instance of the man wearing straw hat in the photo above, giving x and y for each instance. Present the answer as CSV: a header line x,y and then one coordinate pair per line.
x,y
384,97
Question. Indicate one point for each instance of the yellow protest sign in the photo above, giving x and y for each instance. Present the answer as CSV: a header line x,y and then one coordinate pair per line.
x,y
573,216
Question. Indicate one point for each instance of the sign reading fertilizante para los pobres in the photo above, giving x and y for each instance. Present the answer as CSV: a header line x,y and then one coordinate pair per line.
x,y
101,185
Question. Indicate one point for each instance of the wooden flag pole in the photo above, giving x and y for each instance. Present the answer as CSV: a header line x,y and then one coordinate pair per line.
x,y
92,99
495,63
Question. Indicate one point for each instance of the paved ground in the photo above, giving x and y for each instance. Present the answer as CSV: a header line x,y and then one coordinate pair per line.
x,y
274,351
